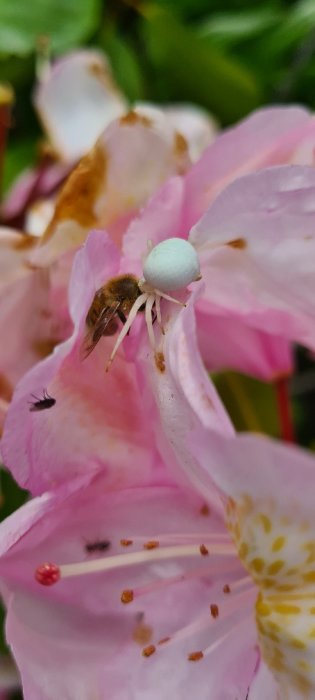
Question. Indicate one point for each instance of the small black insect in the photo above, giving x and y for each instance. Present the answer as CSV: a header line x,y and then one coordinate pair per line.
x,y
98,546
41,404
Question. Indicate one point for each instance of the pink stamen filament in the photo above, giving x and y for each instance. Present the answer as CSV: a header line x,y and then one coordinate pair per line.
x,y
227,613
130,558
218,641
179,578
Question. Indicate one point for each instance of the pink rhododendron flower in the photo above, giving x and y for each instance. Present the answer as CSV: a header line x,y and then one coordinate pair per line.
x,y
266,488
108,419
128,163
122,193
273,296
251,342
198,612
261,350
255,300
172,587
75,100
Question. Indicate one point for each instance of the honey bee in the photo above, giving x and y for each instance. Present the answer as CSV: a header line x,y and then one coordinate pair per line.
x,y
114,300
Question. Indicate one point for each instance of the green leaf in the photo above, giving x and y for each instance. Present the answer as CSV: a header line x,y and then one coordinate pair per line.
x,y
12,496
185,66
65,22
251,404
300,21
232,28
125,64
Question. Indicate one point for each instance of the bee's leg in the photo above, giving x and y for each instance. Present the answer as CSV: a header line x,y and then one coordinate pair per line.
x,y
122,317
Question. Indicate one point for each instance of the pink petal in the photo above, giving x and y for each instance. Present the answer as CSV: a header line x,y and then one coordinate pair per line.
x,y
184,396
77,635
227,341
24,302
100,420
159,219
196,126
267,137
255,244
76,101
264,685
32,184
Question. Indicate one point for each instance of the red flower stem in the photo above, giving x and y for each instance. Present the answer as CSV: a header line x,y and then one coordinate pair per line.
x,y
284,410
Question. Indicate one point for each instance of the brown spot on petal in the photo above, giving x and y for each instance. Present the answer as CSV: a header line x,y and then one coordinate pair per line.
x,y
204,510
195,656
214,610
149,650
239,243
180,150
43,348
24,242
203,550
160,361
164,640
126,596
126,543
103,74
180,144
6,389
226,588
78,196
151,544
142,634
133,117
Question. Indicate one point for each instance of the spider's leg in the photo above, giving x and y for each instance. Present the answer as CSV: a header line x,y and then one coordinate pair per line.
x,y
132,315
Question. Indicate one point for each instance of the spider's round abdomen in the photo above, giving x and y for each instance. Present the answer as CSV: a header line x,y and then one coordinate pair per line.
x,y
171,265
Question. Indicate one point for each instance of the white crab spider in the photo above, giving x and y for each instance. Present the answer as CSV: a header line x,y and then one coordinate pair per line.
x,y
171,265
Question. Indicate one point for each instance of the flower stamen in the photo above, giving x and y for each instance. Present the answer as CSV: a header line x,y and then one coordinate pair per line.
x,y
128,559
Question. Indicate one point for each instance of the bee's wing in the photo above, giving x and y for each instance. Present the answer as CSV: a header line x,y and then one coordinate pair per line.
x,y
95,333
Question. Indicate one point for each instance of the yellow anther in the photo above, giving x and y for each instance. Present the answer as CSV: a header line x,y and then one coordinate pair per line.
x,y
257,564
263,609
243,550
275,567
285,609
266,523
309,577
278,543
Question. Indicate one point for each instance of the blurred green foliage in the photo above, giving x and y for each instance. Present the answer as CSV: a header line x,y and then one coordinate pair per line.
x,y
67,23
228,58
